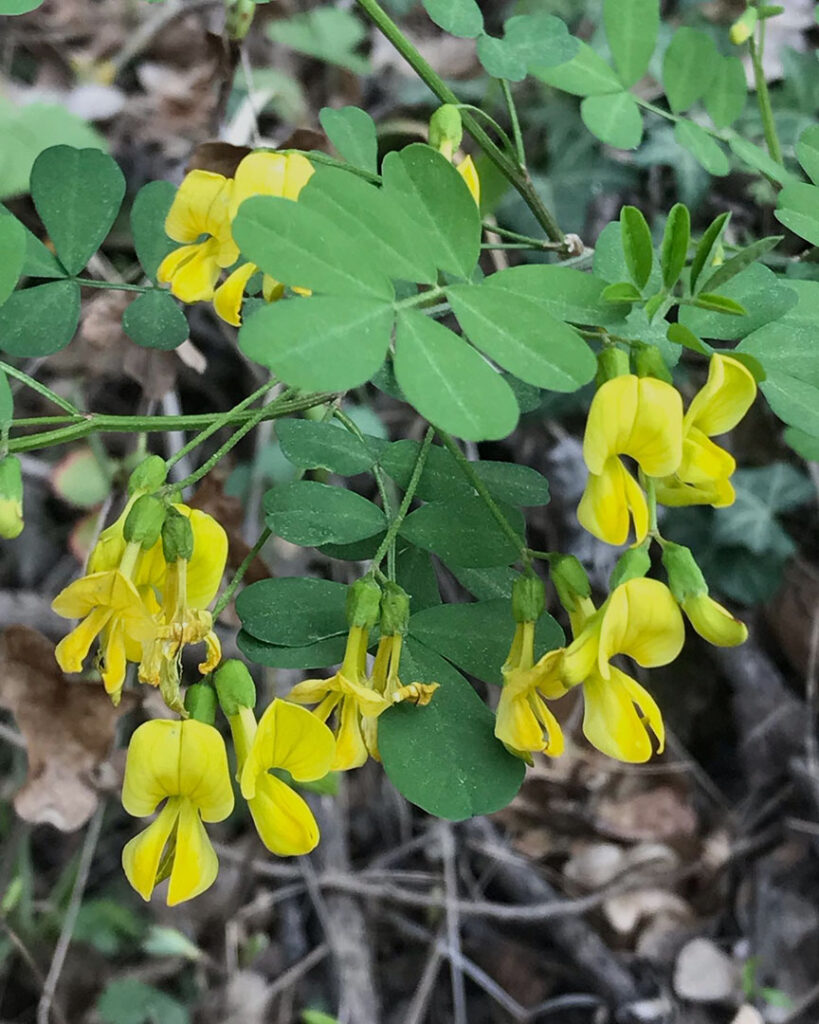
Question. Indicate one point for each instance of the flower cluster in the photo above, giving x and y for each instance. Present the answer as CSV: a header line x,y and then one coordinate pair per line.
x,y
678,463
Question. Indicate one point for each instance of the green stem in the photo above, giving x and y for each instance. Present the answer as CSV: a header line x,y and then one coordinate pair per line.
x,y
41,389
420,298
507,142
329,161
515,236
520,152
118,286
763,97
238,576
406,501
468,470
519,179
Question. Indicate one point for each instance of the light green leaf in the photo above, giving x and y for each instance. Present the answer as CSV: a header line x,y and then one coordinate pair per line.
x,y
438,201
807,152
330,343
688,68
566,293
312,656
765,296
6,401
312,445
78,193
164,941
679,334
129,1001
463,532
757,158
155,321
293,611
726,95
719,304
151,206
352,131
614,118
449,383
523,337
708,246
631,29
13,249
586,74
444,757
674,248
739,261
41,320
622,291
529,39
638,248
303,247
18,6
81,480
327,33
804,444
457,17
309,513
798,209
703,147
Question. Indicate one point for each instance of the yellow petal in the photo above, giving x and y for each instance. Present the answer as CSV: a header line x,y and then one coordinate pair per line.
x,y
704,461
641,619
516,724
204,777
673,492
192,271
656,435
713,622
581,656
72,650
547,674
612,723
351,750
289,737
725,397
610,501
227,299
207,564
298,171
554,743
272,290
283,820
467,170
199,206
141,855
114,661
610,421
195,864
258,174
311,691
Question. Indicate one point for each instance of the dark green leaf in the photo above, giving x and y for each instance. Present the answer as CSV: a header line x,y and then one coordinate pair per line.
x,y
332,343
317,655
78,193
726,95
444,757
638,248
711,239
151,206
688,68
614,118
355,551
309,513
586,74
674,248
486,584
703,147
41,320
13,249
415,572
328,33
457,17
449,383
293,611
352,131
38,261
631,29
323,446
760,495
739,261
462,531
155,321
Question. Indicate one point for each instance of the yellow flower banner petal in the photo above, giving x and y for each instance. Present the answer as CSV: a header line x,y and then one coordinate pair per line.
x,y
727,395
641,619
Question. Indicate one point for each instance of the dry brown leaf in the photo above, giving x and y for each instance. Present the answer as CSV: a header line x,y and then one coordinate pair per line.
x,y
68,728
662,813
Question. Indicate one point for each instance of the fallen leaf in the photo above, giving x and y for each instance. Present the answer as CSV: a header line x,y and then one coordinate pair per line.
x,y
704,974
68,728
662,813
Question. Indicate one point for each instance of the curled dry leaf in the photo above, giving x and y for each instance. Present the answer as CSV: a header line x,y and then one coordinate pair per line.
x,y
68,728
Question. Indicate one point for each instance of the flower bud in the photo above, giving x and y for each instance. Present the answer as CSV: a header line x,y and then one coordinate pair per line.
x,y
200,703
395,605
234,687
650,363
713,622
446,130
239,18
632,564
148,476
363,601
528,598
143,524
685,578
570,581
743,27
611,362
177,537
11,497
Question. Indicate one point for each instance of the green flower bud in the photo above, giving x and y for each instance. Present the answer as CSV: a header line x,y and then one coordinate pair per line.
x,y
743,27
685,578
363,602
395,605
234,687
650,363
611,362
148,476
143,523
630,565
570,580
446,130
528,598
239,18
177,537
200,703
11,497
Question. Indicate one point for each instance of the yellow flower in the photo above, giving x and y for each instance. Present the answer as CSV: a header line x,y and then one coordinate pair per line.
x,y
640,417
524,722
640,619
703,475
185,763
713,622
350,692
260,174
289,738
469,172
201,207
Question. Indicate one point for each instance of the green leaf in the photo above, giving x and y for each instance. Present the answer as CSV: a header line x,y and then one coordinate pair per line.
x,y
807,152
41,320
81,479
415,572
739,261
798,209
303,247
449,383
688,68
757,158
457,17
703,147
437,200
164,941
586,74
638,247
523,337
327,33
18,6
309,513
128,1001
706,250
108,926
312,445
151,206
804,444
674,248
293,611
332,343
38,261
444,757
765,296
78,193
726,95
720,304
318,655
317,1017
622,291
13,248
566,293
352,131
6,401
679,334
529,39
631,29
462,531
614,118
476,637
154,320
760,495
486,584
